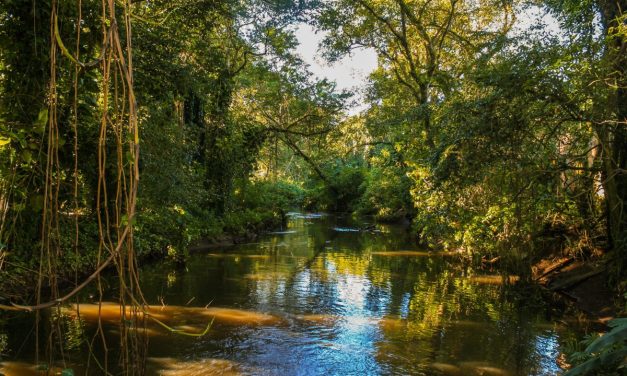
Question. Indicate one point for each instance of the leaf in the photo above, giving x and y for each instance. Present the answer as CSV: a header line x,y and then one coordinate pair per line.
x,y
27,156
42,120
36,203
597,362
43,367
129,157
42,117
67,372
617,322
4,141
616,335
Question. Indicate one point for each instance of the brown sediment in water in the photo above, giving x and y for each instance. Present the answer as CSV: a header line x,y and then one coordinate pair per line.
x,y
388,324
494,279
482,369
176,367
319,318
177,314
26,369
238,255
468,324
412,254
155,332
447,369
266,276
238,316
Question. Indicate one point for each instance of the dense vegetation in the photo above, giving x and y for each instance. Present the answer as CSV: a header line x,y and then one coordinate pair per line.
x,y
135,128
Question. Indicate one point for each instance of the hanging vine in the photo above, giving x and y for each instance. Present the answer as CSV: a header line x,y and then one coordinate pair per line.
x,y
116,189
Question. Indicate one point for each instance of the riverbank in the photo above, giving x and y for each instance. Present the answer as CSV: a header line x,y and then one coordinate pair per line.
x,y
584,285
18,282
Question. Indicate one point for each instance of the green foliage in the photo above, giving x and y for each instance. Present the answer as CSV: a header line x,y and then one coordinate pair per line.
x,y
261,205
3,343
247,223
197,142
341,191
386,188
603,355
276,196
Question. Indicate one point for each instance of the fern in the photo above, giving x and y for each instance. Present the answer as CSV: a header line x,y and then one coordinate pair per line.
x,y
608,351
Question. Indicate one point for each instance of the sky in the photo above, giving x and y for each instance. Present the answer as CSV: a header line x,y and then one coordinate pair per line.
x,y
349,73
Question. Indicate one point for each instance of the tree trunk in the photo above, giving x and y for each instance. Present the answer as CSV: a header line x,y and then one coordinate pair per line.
x,y
616,159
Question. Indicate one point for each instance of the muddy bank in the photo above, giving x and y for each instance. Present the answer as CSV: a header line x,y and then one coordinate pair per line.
x,y
584,286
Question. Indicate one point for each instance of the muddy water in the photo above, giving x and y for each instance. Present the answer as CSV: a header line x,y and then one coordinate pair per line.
x,y
320,298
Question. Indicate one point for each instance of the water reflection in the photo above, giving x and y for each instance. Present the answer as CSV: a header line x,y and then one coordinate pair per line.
x,y
312,300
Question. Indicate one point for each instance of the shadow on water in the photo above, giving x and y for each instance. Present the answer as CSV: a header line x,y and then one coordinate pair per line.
x,y
314,300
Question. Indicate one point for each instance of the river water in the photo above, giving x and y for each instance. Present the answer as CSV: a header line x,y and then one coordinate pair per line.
x,y
322,298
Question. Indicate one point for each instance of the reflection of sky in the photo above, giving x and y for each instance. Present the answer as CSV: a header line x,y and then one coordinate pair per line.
x,y
547,350
354,347
351,294
404,311
352,342
371,315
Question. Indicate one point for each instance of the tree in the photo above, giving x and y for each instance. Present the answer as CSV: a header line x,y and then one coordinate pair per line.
x,y
288,106
609,85
422,45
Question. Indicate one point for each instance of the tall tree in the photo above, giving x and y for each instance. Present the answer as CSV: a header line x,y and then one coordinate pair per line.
x,y
609,83
422,44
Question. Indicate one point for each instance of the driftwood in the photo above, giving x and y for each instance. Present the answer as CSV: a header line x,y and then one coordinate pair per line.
x,y
556,266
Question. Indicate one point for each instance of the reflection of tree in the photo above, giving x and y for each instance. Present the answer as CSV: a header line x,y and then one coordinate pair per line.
x,y
450,319
433,313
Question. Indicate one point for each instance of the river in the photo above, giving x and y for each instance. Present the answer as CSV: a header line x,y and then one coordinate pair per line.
x,y
323,298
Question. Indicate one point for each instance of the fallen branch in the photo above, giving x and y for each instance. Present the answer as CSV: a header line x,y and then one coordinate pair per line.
x,y
558,265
